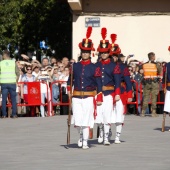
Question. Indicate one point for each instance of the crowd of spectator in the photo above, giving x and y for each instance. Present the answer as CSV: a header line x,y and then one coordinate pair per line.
x,y
48,72
52,70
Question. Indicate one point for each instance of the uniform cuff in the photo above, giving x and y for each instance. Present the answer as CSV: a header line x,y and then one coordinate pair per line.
x,y
99,97
129,94
117,91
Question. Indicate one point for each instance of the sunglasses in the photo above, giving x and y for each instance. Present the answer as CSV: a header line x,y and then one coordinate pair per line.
x,y
104,53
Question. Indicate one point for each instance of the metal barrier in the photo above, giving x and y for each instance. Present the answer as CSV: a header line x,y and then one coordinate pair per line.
x,y
60,103
35,96
135,102
158,97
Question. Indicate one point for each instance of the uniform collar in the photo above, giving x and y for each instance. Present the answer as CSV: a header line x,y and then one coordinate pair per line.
x,y
107,61
85,62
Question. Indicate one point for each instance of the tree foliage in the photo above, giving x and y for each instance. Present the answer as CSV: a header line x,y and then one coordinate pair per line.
x,y
25,23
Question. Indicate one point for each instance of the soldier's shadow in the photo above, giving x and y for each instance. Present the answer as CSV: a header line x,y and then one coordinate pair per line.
x,y
75,146
160,129
72,145
92,143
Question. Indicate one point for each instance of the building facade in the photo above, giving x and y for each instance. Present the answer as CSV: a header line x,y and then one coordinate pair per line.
x,y
141,26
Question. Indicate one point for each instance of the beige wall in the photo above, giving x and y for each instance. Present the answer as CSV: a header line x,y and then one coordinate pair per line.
x,y
137,35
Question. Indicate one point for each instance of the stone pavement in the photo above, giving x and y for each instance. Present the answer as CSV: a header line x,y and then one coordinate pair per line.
x,y
38,144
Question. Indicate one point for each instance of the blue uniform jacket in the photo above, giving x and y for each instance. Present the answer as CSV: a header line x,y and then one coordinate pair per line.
x,y
168,76
126,84
86,77
110,76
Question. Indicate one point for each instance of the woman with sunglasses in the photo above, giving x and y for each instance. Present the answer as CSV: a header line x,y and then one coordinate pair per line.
x,y
55,87
28,77
64,96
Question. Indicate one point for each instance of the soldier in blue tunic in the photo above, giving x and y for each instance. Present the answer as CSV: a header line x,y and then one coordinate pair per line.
x,y
110,88
166,81
126,89
86,83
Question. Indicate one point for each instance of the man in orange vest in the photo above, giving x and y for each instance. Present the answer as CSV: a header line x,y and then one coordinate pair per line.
x,y
152,76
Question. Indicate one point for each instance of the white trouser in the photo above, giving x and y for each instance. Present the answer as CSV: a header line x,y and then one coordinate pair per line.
x,y
43,96
118,110
105,111
167,102
83,112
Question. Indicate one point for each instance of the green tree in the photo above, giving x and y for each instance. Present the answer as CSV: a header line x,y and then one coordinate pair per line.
x,y
27,22
9,12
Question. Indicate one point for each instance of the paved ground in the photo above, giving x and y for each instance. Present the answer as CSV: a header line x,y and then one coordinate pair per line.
x,y
38,144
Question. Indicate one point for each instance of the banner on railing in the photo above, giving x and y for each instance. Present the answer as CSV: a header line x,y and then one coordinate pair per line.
x,y
34,93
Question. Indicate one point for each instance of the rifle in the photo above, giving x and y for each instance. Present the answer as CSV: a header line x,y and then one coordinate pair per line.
x,y
70,108
164,114
97,131
163,122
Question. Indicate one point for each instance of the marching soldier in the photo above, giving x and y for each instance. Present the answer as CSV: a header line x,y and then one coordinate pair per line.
x,y
110,88
120,107
152,76
167,87
86,76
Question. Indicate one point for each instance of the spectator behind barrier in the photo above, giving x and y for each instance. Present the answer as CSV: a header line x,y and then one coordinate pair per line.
x,y
45,62
28,77
64,77
138,78
65,61
44,78
55,87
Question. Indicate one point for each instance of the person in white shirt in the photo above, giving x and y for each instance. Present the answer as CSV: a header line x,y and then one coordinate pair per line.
x,y
44,78
55,86
36,72
64,97
28,77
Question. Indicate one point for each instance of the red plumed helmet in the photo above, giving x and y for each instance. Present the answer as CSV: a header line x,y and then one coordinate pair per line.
x,y
104,45
88,33
104,33
113,38
115,49
86,43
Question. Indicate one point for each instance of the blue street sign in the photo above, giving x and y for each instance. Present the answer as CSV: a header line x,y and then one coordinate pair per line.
x,y
92,21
